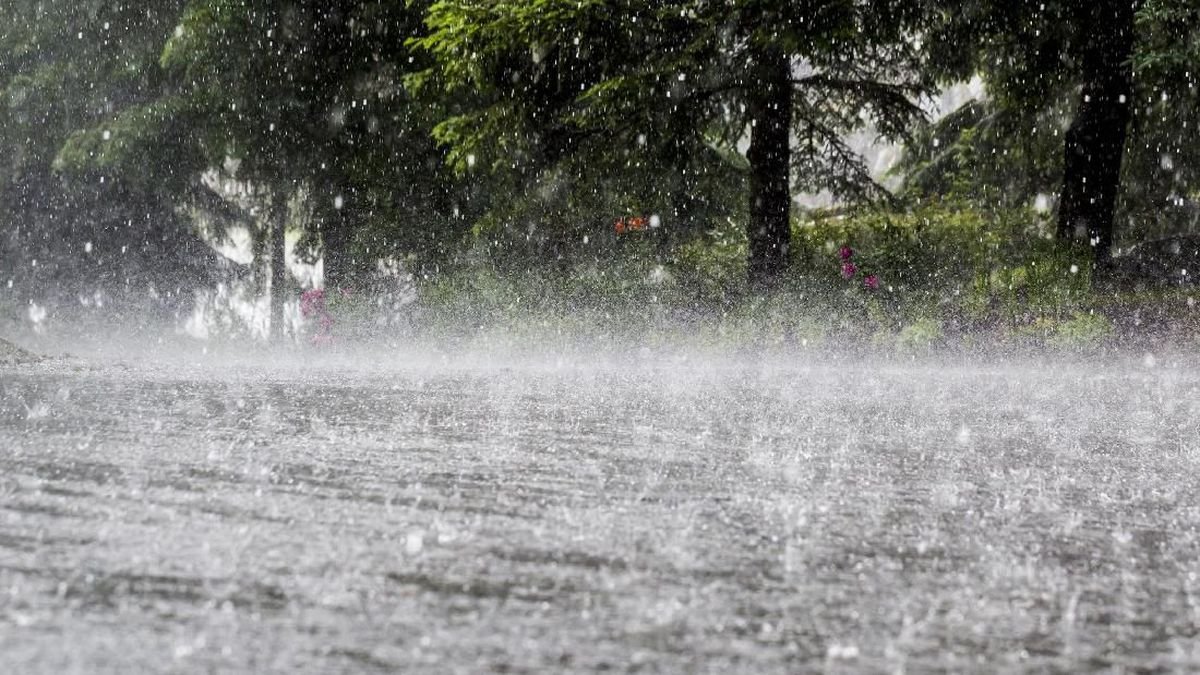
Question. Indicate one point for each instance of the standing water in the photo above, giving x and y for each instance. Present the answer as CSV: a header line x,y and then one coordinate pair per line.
x,y
697,515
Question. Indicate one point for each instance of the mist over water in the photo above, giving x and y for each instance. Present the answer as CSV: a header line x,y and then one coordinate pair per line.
x,y
674,336
522,508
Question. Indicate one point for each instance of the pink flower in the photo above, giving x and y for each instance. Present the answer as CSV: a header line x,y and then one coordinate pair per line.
x,y
312,302
848,269
845,252
871,281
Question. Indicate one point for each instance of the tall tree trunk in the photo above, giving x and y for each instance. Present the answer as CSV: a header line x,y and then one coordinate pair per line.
x,y
1095,141
260,264
279,285
336,232
769,100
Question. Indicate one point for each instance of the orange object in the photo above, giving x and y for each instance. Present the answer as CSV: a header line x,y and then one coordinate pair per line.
x,y
631,224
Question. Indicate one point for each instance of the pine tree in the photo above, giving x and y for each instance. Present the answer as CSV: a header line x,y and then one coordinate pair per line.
x,y
1092,101
551,79
96,235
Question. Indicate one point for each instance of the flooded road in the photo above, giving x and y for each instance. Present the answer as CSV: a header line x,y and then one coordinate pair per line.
x,y
754,516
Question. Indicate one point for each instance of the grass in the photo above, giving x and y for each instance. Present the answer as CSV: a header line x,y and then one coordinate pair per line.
x,y
949,276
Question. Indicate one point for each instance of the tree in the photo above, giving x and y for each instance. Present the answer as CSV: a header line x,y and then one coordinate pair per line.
x,y
299,103
1161,187
555,78
1092,101
311,94
95,238
1094,145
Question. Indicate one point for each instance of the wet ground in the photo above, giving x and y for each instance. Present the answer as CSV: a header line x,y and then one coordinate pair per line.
x,y
716,516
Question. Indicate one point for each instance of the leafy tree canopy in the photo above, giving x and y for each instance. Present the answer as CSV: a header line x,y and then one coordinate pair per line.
x,y
672,86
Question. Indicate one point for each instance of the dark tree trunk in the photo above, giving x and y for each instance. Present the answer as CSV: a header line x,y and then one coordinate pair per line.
x,y
335,244
769,99
260,264
335,213
279,285
1095,141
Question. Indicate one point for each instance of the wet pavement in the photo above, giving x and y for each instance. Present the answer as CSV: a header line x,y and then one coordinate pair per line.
x,y
689,515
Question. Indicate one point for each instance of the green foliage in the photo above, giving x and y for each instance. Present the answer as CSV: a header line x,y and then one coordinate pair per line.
x,y
966,267
1161,177
713,267
948,274
136,137
647,104
952,277
988,155
106,231
922,333
1007,150
1082,330
1169,39
490,144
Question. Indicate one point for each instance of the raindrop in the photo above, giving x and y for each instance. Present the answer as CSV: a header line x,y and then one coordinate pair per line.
x,y
414,541
843,652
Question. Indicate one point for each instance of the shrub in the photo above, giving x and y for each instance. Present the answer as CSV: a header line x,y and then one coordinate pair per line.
x,y
1084,329
968,268
920,334
905,279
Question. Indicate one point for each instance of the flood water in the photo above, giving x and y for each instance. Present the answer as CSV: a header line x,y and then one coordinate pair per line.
x,y
680,515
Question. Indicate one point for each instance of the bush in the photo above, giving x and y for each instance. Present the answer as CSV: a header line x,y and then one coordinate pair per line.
x,y
940,273
949,262
1082,330
920,334
712,269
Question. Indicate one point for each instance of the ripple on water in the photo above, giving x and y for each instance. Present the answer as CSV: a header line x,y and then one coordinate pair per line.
x,y
712,519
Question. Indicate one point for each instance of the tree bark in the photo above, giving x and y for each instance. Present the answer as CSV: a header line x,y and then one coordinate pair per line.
x,y
279,213
769,101
336,230
1095,142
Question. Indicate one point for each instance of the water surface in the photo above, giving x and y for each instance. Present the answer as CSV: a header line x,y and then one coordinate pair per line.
x,y
688,515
